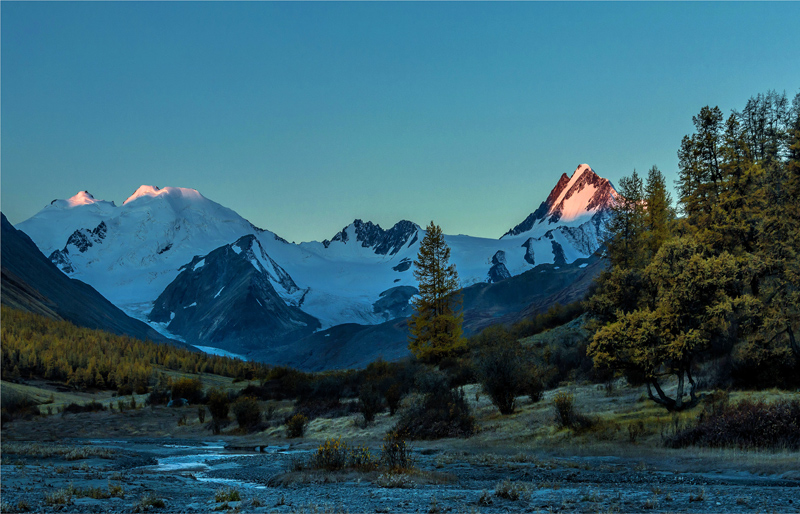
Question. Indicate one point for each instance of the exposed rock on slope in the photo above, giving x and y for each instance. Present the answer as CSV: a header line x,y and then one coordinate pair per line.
x,y
32,283
228,299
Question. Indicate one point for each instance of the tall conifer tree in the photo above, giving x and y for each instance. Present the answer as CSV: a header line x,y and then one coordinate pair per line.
x,y
659,212
436,323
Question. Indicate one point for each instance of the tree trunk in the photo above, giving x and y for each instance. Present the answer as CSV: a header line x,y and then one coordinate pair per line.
x,y
662,398
679,393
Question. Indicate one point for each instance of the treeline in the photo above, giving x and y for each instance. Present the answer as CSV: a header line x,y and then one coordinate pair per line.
x,y
35,346
714,286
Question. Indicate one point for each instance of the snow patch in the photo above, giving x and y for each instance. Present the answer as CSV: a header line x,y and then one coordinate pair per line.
x,y
199,265
220,352
219,292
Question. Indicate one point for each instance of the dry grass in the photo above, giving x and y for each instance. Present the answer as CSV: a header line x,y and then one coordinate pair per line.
x,y
44,450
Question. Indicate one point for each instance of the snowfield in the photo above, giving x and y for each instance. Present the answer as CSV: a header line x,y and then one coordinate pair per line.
x,y
132,252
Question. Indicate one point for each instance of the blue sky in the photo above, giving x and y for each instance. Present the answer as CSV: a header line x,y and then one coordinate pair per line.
x,y
304,116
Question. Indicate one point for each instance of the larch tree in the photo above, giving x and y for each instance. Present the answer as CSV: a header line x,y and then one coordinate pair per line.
x,y
626,227
693,303
435,325
659,213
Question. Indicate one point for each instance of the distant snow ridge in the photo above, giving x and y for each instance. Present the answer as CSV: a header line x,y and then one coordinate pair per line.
x,y
370,235
130,253
170,240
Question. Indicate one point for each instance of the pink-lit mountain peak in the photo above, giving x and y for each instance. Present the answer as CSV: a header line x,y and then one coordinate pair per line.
x,y
145,191
573,200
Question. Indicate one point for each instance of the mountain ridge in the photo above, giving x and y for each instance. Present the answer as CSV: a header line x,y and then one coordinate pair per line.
x,y
144,255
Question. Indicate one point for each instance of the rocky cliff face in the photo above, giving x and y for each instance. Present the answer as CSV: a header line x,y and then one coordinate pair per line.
x,y
235,298
572,202
370,235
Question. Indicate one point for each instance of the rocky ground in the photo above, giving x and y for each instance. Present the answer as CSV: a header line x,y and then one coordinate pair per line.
x,y
140,474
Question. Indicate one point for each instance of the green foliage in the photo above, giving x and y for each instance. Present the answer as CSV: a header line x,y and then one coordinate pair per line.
x,y
746,425
370,402
218,404
435,326
502,372
227,494
191,389
626,228
247,412
296,426
723,282
443,412
690,307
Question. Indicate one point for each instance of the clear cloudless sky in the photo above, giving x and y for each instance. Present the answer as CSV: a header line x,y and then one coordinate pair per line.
x,y
304,116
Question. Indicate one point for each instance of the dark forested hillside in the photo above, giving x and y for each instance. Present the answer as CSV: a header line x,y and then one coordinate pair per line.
x,y
35,346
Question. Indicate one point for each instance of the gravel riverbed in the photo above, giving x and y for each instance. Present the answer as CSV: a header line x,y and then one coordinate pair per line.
x,y
185,475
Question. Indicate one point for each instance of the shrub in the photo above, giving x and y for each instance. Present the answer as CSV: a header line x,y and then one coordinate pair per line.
x,y
157,397
296,426
534,386
396,453
218,404
361,459
331,455
744,425
227,494
191,389
566,415
635,430
59,497
336,455
125,389
18,406
370,402
510,490
201,414
247,412
393,395
501,372
462,370
443,412
149,501
74,408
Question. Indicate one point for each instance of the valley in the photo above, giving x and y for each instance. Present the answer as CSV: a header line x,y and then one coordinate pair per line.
x,y
518,463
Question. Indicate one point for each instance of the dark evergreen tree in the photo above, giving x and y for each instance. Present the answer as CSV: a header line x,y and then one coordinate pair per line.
x,y
659,213
626,227
435,325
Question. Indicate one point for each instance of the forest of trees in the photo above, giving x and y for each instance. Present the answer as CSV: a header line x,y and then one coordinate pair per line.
x,y
716,283
35,346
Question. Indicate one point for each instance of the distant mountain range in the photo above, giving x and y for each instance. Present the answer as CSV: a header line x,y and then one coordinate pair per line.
x,y
198,271
30,282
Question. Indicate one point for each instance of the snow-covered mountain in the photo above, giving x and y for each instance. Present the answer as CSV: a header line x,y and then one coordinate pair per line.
x,y
145,254
235,297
